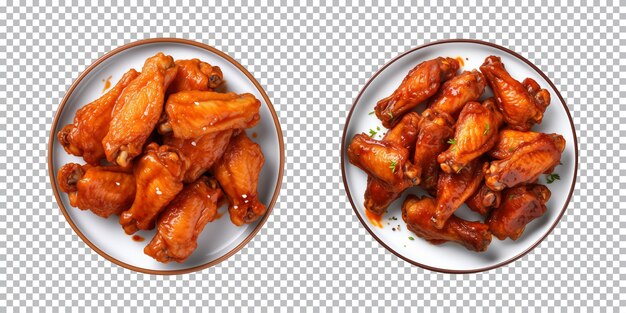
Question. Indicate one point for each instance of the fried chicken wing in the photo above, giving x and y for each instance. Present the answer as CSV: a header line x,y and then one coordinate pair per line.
x,y
520,206
191,114
159,174
379,195
385,162
509,140
91,124
183,220
526,163
196,75
419,85
454,189
456,92
238,173
417,214
521,104
431,141
476,133
484,200
105,190
200,153
138,109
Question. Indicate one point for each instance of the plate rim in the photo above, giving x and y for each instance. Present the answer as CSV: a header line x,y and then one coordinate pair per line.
x,y
433,268
221,54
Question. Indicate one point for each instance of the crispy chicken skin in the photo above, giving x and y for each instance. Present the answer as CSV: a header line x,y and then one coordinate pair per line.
x,y
194,74
200,153
509,140
526,164
484,200
191,114
520,206
378,195
417,213
431,141
91,124
419,85
521,104
238,173
476,133
456,92
159,174
138,109
104,190
183,220
386,162
454,189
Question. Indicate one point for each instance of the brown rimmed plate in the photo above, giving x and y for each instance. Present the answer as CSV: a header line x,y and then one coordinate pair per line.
x,y
220,239
449,257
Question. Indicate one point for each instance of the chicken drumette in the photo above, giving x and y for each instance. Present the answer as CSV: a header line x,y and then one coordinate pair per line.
x,y
91,124
521,104
520,206
419,85
191,114
417,213
138,109
238,173
431,141
104,190
484,200
159,175
196,75
476,133
455,93
183,220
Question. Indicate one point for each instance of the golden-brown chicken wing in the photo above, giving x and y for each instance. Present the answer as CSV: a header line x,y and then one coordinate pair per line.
x,y
431,141
183,220
453,189
419,85
484,200
159,174
476,133
386,162
417,214
105,190
509,140
238,173
138,109
191,114
196,75
379,195
200,153
526,163
459,90
91,124
521,104
520,206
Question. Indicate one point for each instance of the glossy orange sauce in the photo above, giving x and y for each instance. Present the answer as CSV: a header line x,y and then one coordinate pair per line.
x,y
218,215
138,238
461,61
254,135
107,84
375,219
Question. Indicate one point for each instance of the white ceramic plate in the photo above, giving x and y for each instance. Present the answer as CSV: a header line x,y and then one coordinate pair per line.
x,y
220,239
451,257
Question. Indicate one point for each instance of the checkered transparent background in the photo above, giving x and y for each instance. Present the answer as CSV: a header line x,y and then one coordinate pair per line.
x,y
313,252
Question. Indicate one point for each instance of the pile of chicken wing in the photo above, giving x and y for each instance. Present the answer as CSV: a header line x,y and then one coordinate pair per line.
x,y
164,149
460,150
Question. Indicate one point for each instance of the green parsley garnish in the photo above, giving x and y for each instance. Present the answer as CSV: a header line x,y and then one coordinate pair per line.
x,y
377,127
428,178
487,129
393,218
552,177
371,113
392,165
411,238
372,132
390,115
452,141
460,169
511,149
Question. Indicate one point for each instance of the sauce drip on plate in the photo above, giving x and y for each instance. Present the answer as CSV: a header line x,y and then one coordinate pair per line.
x,y
138,238
107,84
461,62
374,218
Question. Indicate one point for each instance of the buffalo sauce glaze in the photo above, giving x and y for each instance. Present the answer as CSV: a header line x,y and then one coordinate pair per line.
x,y
461,62
107,84
374,218
138,238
